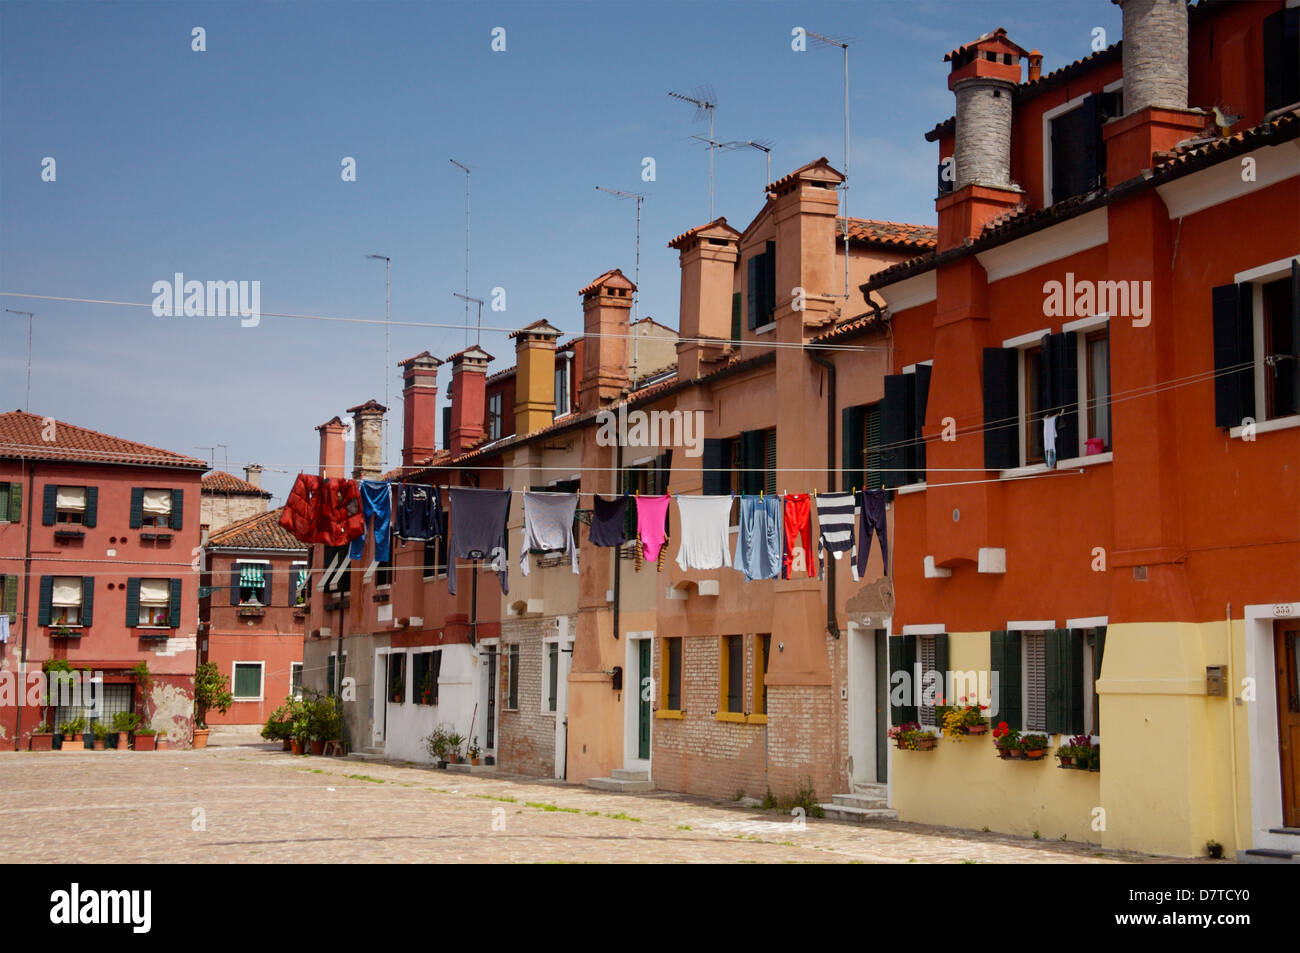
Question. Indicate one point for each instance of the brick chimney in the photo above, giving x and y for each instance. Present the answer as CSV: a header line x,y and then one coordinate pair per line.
x,y
419,408
1035,66
605,306
368,440
707,255
468,397
332,460
253,474
983,77
535,376
1156,117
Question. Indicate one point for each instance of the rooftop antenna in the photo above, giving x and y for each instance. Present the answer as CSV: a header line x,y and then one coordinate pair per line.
x,y
388,266
705,103
636,279
760,145
466,295
844,188
478,335
212,454
27,404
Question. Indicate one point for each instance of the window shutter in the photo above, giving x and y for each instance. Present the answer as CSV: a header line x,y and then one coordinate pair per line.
x,y
1034,683
871,477
1060,389
87,600
1074,151
752,287
234,584
1234,385
92,506
1281,59
941,666
47,513
1074,674
47,594
1001,409
10,607
1004,671
769,461
920,397
852,450
902,658
174,606
1295,325
137,506
945,182
769,283
178,507
132,602
268,590
735,316
15,502
895,421
751,460
716,480
330,687
1055,678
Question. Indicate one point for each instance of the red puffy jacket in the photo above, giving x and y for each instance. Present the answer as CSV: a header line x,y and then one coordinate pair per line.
x,y
324,510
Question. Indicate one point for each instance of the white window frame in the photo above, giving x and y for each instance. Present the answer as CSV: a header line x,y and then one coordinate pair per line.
x,y
295,667
81,590
1082,328
261,679
499,399
1257,278
564,370
241,561
306,579
145,517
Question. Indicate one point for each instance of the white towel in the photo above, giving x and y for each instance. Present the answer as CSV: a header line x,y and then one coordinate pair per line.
x,y
703,535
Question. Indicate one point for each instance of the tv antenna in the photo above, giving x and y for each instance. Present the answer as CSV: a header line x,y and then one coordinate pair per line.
x,y
478,335
759,145
844,187
636,274
705,102
466,296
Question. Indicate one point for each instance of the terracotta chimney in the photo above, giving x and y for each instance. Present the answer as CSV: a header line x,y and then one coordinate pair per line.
x,y
605,306
1035,65
331,448
367,437
806,212
468,397
419,408
707,255
535,376
253,474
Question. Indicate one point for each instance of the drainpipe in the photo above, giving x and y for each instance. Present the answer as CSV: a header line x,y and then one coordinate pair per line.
x,y
832,624
27,608
618,560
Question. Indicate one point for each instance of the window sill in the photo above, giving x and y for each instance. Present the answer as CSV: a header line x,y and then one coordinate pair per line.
x,y
74,631
765,328
735,717
673,714
756,719
1070,463
1267,426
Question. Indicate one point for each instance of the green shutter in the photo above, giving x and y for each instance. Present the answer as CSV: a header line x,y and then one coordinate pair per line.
x,y
1234,354
852,459
752,458
248,681
87,600
1073,656
178,510
871,476
752,285
92,506
1295,332
137,506
329,676
902,658
1004,671
47,594
132,601
1001,408
941,666
15,502
1055,673
717,478
769,461
234,583
51,495
735,316
174,605
896,414
920,398
10,607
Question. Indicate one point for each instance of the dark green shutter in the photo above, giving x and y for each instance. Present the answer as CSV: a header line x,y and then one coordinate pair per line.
x,y
1059,389
920,397
234,584
717,479
1075,166
902,658
329,676
769,461
752,461
1004,670
132,602
1001,408
268,590
87,600
51,499
735,316
1234,355
178,509
1063,670
871,476
137,506
769,283
10,607
15,502
1281,49
752,287
1294,367
47,595
174,604
92,506
896,416
941,666
852,450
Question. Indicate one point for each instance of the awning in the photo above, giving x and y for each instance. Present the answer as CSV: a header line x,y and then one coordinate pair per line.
x,y
67,591
70,498
158,502
155,592
251,577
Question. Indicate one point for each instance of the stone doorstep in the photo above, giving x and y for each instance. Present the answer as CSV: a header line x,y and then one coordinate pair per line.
x,y
872,790
860,815
621,785
1267,855
623,774
868,801
466,768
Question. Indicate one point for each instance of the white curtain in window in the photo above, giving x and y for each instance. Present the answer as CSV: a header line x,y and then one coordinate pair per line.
x,y
158,502
70,498
154,592
67,591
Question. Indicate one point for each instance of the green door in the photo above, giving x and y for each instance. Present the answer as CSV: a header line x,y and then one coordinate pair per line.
x,y
882,707
645,682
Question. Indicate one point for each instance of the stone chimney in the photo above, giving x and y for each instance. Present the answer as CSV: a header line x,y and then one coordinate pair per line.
x,y
1156,117
468,397
605,306
419,408
1035,65
368,440
707,255
253,474
535,376
332,460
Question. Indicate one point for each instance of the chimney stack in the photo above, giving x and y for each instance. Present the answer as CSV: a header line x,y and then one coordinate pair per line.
x,y
707,255
535,376
984,75
468,397
1155,54
367,436
419,408
1035,65
253,474
331,448
605,306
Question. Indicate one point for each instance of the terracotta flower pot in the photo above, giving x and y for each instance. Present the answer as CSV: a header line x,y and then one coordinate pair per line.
x,y
1066,760
1015,753
976,729
73,744
99,743
145,742
318,747
473,761
161,743
926,744
200,738
286,745
1034,754
295,745
43,741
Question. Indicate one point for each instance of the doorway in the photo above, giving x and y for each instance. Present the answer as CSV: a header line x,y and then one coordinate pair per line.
x,y
638,691
1286,656
868,686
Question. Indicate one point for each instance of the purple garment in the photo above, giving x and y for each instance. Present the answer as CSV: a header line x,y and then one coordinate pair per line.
x,y
873,518
478,531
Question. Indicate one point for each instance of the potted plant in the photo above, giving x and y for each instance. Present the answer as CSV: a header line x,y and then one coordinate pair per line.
x,y
426,689
899,733
961,720
101,733
1007,740
146,739
211,691
1065,754
1034,747
437,746
455,741
42,737
71,731
88,736
326,723
279,726
124,722
474,751
160,744
1082,749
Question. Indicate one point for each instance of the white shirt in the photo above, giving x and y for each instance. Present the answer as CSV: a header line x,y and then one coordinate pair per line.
x,y
704,535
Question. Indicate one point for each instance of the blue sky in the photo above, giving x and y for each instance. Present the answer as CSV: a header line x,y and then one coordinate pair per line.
x,y
225,165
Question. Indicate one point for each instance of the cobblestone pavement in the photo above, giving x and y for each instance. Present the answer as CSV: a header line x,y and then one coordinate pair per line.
x,y
258,804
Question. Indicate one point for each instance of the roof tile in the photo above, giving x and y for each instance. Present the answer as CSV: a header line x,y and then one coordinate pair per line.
x,y
22,435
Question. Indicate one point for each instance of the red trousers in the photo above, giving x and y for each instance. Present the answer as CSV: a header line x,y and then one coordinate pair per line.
x,y
798,534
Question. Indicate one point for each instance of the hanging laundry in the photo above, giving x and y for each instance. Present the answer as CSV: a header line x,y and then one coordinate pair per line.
x,y
418,512
1049,440
835,512
704,531
871,504
758,544
798,534
324,511
548,526
478,531
377,511
608,521
652,526
4,627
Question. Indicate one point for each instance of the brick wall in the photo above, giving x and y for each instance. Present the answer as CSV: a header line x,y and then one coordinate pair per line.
x,y
219,511
526,742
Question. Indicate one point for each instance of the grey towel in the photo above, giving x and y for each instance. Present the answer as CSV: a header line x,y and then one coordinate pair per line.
x,y
548,526
478,531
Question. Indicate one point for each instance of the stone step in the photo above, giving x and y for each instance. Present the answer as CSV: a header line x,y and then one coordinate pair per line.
x,y
620,785
1267,855
868,801
623,774
871,790
365,755
859,815
465,768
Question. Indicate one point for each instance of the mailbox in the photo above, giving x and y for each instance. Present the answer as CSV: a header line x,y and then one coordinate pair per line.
x,y
1216,679
618,678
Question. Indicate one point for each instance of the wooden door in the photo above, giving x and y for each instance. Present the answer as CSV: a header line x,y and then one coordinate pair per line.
x,y
1286,653
643,711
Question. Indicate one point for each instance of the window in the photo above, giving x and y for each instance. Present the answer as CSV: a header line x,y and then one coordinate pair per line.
x,y
563,375
926,702
425,668
246,682
295,679
1076,160
1096,364
384,570
9,597
512,678
337,576
552,675
11,502
906,653
672,660
154,601
494,416
446,427
732,673
902,416
1046,680
250,582
1031,405
762,646
649,478
298,583
1281,58
396,677
741,464
64,601
435,557
735,316
334,686
861,445
761,287
156,508
99,703
1023,385
1279,327
1257,346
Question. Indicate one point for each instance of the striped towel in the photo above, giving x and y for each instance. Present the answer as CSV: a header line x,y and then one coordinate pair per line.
x,y
835,516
